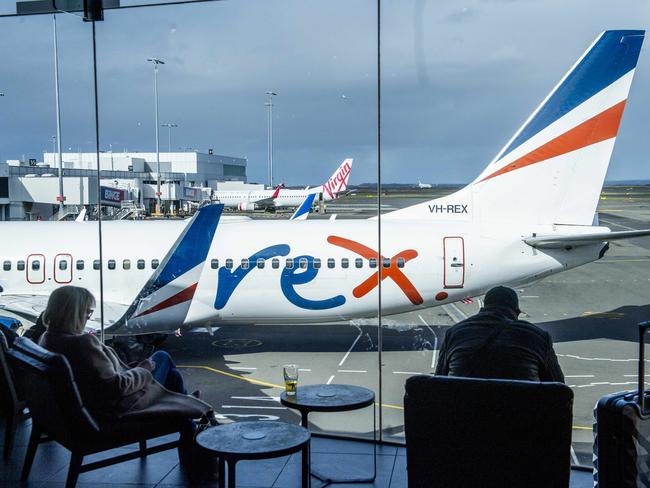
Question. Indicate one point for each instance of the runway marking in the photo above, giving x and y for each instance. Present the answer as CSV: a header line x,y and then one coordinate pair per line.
x,y
352,371
643,260
608,315
435,342
254,407
529,296
306,370
581,427
619,225
231,375
633,375
455,313
244,368
579,376
406,372
351,347
607,383
573,356
330,380
257,398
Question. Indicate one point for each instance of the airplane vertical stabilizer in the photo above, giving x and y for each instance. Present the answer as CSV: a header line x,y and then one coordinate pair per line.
x,y
552,170
167,296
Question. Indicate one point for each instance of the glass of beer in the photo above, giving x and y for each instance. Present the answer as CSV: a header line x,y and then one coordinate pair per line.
x,y
290,378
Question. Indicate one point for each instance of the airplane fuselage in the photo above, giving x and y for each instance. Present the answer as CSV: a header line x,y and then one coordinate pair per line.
x,y
284,272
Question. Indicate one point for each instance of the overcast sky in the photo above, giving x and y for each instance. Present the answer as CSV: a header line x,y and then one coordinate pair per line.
x,y
458,78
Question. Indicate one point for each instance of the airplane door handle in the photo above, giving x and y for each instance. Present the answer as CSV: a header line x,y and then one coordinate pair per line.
x,y
456,265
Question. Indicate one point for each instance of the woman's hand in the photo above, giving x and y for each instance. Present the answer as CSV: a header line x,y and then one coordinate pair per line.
x,y
148,364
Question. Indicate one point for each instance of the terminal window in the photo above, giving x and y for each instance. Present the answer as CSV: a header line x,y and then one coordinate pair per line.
x,y
4,187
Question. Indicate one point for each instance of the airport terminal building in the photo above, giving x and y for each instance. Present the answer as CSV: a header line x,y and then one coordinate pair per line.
x,y
29,190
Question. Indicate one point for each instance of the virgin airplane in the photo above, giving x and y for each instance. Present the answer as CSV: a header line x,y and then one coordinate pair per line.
x,y
246,201
527,216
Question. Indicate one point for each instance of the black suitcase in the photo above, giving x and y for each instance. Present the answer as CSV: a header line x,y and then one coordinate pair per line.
x,y
622,434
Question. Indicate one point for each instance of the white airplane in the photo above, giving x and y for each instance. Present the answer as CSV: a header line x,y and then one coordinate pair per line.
x,y
246,201
528,215
424,185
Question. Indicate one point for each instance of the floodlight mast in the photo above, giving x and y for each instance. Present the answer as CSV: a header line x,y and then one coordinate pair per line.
x,y
156,62
170,126
269,104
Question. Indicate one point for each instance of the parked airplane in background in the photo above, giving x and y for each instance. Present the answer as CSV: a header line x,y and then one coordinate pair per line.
x,y
243,200
424,185
528,215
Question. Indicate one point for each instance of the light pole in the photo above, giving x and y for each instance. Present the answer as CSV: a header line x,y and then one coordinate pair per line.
x,y
60,198
156,62
169,125
269,124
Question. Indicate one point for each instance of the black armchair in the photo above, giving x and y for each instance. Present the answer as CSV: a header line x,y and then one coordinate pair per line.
x,y
58,414
466,432
13,402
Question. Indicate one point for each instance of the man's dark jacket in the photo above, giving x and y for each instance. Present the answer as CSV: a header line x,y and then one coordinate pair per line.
x,y
490,344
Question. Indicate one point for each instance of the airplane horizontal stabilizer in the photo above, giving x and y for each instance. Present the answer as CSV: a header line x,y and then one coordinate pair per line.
x,y
564,241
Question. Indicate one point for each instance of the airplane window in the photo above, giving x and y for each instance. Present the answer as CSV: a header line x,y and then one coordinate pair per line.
x,y
275,263
358,263
214,263
111,264
303,263
96,264
80,264
331,262
386,263
260,263
400,262
154,263
140,263
36,265
244,263
289,263
229,263
372,262
345,263
63,265
316,263
126,264
6,266
20,265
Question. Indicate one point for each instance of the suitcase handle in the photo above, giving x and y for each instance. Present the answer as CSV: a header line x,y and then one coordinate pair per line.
x,y
643,328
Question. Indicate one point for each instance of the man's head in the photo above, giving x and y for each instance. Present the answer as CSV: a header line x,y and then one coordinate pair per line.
x,y
503,298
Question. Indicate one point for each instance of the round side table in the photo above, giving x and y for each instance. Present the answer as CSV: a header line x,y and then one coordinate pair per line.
x,y
255,440
334,398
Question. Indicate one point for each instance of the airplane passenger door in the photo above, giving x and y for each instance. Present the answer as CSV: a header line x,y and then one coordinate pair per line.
x,y
35,269
454,262
63,268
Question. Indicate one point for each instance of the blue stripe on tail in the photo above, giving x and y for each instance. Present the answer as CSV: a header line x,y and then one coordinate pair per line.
x,y
614,55
191,248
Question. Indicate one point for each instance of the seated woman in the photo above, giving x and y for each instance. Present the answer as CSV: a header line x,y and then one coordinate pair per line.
x,y
108,387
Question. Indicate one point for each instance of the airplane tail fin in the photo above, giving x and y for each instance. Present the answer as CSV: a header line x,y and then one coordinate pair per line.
x,y
166,297
338,182
553,168
302,212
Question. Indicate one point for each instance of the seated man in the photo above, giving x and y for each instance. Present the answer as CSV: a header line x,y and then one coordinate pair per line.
x,y
494,344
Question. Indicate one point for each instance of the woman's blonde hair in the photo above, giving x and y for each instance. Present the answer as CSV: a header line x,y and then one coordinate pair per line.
x,y
67,309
